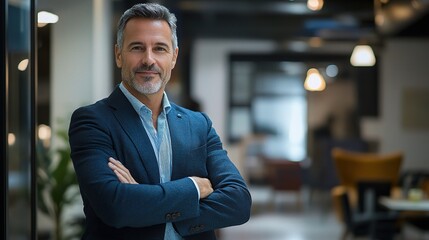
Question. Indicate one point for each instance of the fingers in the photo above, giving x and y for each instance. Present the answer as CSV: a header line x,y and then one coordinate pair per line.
x,y
204,185
121,171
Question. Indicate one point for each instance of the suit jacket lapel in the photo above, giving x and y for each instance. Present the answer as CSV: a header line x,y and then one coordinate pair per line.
x,y
131,123
179,134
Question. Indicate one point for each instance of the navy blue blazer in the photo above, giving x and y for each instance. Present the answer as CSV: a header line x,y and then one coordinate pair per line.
x,y
114,210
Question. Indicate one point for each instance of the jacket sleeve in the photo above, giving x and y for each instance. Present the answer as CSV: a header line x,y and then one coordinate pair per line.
x,y
115,203
230,202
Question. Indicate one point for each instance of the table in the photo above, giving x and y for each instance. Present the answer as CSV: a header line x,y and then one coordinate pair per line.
x,y
405,204
419,210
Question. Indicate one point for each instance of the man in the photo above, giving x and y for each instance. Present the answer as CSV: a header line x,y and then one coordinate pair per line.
x,y
147,168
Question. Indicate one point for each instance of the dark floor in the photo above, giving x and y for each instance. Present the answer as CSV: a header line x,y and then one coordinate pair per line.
x,y
295,216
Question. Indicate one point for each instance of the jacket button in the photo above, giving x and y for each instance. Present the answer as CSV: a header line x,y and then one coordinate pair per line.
x,y
200,227
197,228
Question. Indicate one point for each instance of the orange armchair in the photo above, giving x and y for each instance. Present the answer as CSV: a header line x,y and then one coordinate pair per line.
x,y
353,167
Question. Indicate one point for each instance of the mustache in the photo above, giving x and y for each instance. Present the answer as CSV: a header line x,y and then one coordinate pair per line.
x,y
146,67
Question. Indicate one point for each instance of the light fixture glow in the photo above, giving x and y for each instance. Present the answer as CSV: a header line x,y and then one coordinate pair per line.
x,y
315,42
44,132
22,66
315,5
40,25
314,81
332,70
380,19
11,139
362,56
44,17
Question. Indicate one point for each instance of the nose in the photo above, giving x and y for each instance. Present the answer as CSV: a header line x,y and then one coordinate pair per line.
x,y
148,58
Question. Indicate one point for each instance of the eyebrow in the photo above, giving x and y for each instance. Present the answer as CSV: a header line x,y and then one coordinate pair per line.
x,y
156,44
163,44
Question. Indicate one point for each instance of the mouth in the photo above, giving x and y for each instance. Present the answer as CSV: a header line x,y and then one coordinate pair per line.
x,y
147,74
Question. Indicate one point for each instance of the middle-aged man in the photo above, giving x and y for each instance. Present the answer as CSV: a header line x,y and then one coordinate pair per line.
x,y
147,168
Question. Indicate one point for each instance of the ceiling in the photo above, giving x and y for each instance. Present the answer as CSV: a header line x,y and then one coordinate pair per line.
x,y
285,20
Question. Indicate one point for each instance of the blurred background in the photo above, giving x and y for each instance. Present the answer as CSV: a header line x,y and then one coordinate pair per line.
x,y
281,79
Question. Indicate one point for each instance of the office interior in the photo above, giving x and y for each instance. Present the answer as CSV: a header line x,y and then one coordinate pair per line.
x,y
245,63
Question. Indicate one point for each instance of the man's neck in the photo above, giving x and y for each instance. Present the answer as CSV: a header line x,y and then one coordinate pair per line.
x,y
154,103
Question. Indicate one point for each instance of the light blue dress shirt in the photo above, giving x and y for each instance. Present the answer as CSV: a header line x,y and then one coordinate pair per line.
x,y
161,143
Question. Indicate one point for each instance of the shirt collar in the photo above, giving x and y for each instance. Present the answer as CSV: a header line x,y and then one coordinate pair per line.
x,y
137,105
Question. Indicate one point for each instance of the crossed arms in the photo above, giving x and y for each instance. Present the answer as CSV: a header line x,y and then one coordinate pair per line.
x,y
204,185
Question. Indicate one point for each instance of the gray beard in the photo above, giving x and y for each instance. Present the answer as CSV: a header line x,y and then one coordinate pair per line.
x,y
147,88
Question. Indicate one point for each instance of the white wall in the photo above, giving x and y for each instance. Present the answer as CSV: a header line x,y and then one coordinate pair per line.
x,y
404,64
82,53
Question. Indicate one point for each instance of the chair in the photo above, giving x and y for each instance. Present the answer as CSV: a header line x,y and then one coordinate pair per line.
x,y
369,218
354,167
284,175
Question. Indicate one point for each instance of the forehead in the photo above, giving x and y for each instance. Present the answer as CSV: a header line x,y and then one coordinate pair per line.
x,y
143,29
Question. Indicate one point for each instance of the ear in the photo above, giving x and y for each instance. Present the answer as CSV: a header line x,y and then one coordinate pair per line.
x,y
118,56
175,54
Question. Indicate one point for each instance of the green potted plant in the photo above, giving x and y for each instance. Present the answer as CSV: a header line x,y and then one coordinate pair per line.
x,y
58,188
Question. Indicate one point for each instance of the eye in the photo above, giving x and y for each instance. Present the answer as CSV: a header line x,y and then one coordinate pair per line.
x,y
160,49
136,48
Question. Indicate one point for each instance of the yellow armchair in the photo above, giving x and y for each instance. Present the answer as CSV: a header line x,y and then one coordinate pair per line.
x,y
352,167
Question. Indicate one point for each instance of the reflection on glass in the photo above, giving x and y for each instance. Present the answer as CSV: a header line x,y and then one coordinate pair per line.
x,y
19,120
22,66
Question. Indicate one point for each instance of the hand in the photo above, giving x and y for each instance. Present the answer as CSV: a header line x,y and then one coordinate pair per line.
x,y
121,171
204,185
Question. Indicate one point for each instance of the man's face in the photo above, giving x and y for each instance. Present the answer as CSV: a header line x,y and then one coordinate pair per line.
x,y
147,55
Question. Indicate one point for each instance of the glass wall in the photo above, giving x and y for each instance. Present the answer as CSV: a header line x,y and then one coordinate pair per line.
x,y
18,122
270,101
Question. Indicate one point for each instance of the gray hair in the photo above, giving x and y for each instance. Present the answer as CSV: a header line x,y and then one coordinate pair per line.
x,y
151,11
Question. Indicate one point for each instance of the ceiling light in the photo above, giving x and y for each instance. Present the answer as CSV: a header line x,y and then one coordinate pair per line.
x,y
44,17
314,81
315,5
362,56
